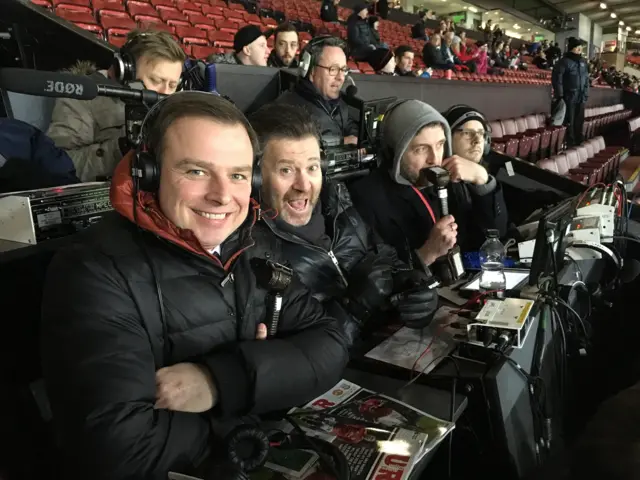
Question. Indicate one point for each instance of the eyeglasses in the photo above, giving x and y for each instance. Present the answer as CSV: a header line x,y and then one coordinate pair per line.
x,y
334,69
472,134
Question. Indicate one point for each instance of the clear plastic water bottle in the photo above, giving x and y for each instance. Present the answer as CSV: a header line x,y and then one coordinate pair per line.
x,y
492,278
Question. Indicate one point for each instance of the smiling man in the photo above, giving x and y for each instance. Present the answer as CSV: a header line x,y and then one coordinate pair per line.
x,y
151,323
319,90
335,254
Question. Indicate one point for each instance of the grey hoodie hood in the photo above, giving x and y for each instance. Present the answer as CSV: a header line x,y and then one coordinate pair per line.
x,y
402,124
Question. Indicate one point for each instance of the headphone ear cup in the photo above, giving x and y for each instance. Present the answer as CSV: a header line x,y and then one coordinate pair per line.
x,y
256,178
487,144
148,171
247,447
305,63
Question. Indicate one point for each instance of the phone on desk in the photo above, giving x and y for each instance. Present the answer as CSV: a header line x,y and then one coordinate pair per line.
x,y
516,278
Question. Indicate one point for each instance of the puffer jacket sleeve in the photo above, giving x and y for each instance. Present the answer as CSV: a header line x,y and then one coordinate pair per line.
x,y
100,374
73,128
306,358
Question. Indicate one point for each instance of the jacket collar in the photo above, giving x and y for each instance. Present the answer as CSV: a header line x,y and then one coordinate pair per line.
x,y
309,92
274,61
149,217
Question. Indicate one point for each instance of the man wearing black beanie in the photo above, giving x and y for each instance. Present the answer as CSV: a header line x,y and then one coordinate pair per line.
x,y
570,82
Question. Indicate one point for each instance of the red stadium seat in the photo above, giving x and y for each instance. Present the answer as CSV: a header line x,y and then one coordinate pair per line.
x,y
108,5
75,16
111,22
220,38
139,9
228,26
152,23
43,3
192,35
186,6
200,52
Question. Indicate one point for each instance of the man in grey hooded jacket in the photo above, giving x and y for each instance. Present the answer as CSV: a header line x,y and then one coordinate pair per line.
x,y
406,213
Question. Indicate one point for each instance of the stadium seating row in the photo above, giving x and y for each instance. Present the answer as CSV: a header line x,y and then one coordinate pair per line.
x,y
590,163
205,27
529,137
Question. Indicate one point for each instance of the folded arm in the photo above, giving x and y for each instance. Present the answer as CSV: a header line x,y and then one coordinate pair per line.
x,y
100,373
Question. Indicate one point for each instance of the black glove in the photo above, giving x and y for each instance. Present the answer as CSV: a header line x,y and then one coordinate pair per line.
x,y
370,284
415,302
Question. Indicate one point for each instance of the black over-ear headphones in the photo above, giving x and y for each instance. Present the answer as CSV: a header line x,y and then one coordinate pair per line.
x,y
247,448
310,52
468,116
124,65
145,168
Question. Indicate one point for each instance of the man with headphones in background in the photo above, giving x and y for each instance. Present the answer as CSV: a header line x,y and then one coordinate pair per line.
x,y
154,329
324,239
323,70
403,208
92,131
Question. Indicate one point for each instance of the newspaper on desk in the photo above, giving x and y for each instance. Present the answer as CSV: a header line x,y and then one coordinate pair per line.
x,y
381,437
407,346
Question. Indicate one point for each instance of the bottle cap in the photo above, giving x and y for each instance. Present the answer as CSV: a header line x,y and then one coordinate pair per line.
x,y
492,233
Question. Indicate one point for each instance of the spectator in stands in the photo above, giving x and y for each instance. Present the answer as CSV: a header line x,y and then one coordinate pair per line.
x,y
498,56
432,54
383,62
285,47
379,8
138,375
482,59
329,11
93,132
450,57
404,211
419,30
443,28
570,82
404,62
488,32
332,250
359,36
319,90
431,15
469,132
540,60
553,54
374,24
249,48
458,44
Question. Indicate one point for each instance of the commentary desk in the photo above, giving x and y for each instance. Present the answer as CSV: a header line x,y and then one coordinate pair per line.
x,y
499,405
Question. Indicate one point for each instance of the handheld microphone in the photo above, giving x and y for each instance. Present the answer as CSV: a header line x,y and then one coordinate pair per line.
x,y
448,268
48,84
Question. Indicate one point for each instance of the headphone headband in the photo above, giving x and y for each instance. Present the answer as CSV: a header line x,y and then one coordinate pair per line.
x,y
308,57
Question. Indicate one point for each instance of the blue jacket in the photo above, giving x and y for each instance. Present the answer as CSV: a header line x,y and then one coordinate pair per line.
x,y
29,159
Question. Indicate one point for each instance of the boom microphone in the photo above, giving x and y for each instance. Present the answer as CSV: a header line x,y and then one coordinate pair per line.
x,y
48,84
67,85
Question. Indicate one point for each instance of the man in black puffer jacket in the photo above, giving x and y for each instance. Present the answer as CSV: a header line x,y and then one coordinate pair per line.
x,y
570,81
154,324
318,91
359,36
334,252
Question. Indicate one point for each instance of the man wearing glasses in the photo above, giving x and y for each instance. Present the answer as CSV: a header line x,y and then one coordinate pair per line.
x,y
318,90
400,204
